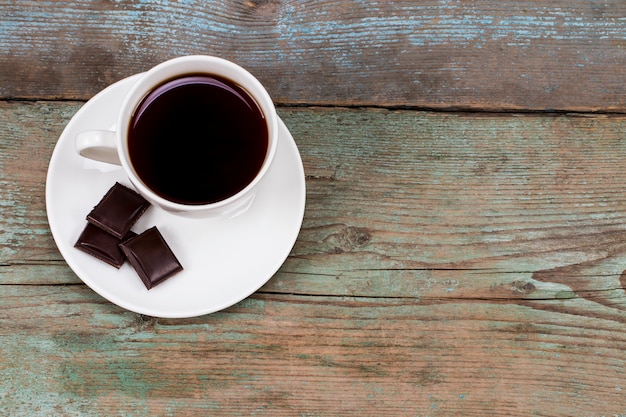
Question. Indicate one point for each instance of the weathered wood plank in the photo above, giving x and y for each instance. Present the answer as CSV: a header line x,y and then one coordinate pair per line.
x,y
399,204
28,133
449,263
537,55
460,205
67,352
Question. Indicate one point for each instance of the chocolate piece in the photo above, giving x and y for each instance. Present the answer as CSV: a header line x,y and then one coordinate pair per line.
x,y
118,210
102,245
151,257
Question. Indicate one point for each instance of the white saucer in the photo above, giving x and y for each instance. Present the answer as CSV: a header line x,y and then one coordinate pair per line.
x,y
224,259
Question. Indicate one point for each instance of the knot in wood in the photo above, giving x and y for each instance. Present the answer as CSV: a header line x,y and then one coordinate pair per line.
x,y
357,237
522,287
265,7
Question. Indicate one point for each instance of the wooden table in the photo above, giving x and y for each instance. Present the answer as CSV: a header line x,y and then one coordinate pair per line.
x,y
464,241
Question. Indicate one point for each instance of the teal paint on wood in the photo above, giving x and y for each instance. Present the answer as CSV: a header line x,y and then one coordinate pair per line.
x,y
27,138
401,203
478,55
448,263
78,356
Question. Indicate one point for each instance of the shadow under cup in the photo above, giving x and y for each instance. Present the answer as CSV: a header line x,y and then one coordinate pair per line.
x,y
197,139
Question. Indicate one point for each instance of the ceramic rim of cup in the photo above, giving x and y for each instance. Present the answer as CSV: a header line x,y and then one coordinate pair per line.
x,y
178,67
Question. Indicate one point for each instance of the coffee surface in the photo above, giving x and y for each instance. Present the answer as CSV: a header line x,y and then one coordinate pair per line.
x,y
197,139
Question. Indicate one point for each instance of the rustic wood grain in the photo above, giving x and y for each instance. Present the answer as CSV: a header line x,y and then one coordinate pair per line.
x,y
399,203
448,54
463,250
301,355
449,263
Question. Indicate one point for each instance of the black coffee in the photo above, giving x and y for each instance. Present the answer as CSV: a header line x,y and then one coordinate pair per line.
x,y
197,139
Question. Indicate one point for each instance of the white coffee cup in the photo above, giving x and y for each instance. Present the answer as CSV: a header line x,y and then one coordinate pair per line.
x,y
112,146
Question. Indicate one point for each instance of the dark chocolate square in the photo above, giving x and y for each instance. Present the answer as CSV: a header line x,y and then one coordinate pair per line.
x,y
151,257
102,245
118,210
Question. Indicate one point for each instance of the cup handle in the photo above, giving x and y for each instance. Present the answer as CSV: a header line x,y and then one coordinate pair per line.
x,y
99,145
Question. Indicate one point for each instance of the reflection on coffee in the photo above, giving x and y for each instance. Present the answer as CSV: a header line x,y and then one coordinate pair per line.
x,y
197,139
